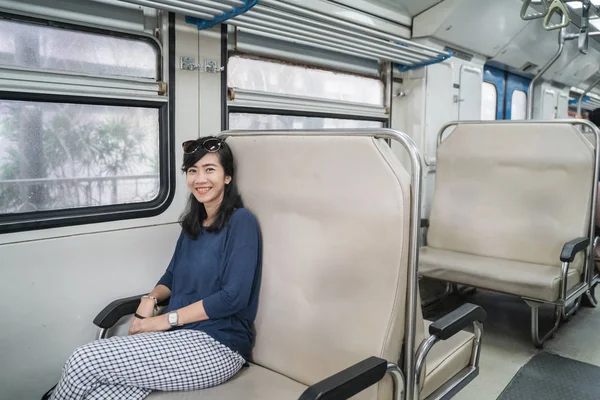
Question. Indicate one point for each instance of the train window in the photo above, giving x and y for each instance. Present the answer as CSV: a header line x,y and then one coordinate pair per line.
x,y
37,46
275,77
489,101
57,156
518,107
83,120
273,121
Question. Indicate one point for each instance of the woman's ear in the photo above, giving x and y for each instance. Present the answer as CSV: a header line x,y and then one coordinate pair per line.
x,y
227,180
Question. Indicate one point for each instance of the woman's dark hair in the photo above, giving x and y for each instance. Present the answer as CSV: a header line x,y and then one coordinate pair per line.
x,y
595,117
195,213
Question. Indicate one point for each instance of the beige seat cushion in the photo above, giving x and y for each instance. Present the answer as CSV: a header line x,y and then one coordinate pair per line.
x,y
323,239
254,383
446,359
513,277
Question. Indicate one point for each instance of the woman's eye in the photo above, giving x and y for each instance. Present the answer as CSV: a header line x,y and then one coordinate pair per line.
x,y
191,171
210,169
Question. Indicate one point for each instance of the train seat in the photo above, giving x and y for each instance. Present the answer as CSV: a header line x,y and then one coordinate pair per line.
x,y
511,212
335,217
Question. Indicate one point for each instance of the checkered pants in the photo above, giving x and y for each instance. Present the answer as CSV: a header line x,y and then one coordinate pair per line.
x,y
130,367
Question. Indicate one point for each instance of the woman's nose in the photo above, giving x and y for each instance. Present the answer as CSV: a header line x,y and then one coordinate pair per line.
x,y
200,178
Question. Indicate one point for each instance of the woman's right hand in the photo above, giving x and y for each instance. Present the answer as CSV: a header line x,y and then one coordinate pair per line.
x,y
146,310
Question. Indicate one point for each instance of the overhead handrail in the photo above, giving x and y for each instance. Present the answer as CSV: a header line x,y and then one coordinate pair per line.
x,y
208,13
561,44
585,26
584,93
536,14
290,21
560,8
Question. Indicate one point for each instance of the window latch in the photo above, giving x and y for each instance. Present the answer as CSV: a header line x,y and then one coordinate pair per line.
x,y
210,66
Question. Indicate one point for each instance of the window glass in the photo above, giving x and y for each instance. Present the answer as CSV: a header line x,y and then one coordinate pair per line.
x,y
274,77
489,101
518,105
52,48
59,156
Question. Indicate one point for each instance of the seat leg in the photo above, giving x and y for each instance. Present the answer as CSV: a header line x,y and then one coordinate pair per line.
x,y
589,299
566,314
434,301
466,291
535,329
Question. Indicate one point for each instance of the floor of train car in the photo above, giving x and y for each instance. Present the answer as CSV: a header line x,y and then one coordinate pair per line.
x,y
507,344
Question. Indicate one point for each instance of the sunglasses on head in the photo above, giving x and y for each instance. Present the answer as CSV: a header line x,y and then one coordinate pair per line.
x,y
211,145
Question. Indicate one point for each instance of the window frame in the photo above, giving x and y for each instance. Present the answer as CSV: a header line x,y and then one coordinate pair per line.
x,y
26,221
227,108
154,42
300,113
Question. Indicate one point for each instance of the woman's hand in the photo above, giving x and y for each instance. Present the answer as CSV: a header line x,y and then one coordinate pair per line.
x,y
146,310
159,323
146,307
136,326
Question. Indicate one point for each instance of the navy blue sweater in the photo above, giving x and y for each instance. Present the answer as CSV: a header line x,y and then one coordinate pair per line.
x,y
223,269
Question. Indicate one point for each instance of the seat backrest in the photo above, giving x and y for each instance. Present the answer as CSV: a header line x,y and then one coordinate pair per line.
x,y
516,191
334,213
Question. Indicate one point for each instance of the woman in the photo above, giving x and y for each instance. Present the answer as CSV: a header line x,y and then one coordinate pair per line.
x,y
212,281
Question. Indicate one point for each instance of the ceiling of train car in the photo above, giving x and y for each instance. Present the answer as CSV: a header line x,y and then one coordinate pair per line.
x,y
410,8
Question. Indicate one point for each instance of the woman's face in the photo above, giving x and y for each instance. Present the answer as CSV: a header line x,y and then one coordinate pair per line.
x,y
206,180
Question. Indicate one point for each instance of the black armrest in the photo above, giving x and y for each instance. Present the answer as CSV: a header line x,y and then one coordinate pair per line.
x,y
424,223
570,249
118,309
348,382
451,323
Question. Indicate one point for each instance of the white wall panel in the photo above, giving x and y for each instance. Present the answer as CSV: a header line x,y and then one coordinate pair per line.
x,y
549,100
562,106
439,105
471,80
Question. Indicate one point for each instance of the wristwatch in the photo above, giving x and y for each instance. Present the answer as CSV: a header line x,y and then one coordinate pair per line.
x,y
173,318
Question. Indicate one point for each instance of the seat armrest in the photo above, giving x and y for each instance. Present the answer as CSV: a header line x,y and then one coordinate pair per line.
x,y
348,382
571,248
452,323
117,309
424,223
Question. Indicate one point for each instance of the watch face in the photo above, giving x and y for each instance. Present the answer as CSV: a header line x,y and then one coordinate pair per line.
x,y
173,318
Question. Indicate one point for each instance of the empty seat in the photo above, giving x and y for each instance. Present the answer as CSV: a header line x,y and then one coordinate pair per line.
x,y
335,217
511,212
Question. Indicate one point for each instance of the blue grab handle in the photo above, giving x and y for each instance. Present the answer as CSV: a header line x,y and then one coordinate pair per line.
x,y
440,58
204,24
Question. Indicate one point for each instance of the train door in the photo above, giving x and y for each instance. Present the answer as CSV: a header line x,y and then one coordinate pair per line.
x,y
492,94
504,95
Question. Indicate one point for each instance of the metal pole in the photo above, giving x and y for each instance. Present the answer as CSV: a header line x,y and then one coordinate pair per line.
x,y
561,45
591,262
586,91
